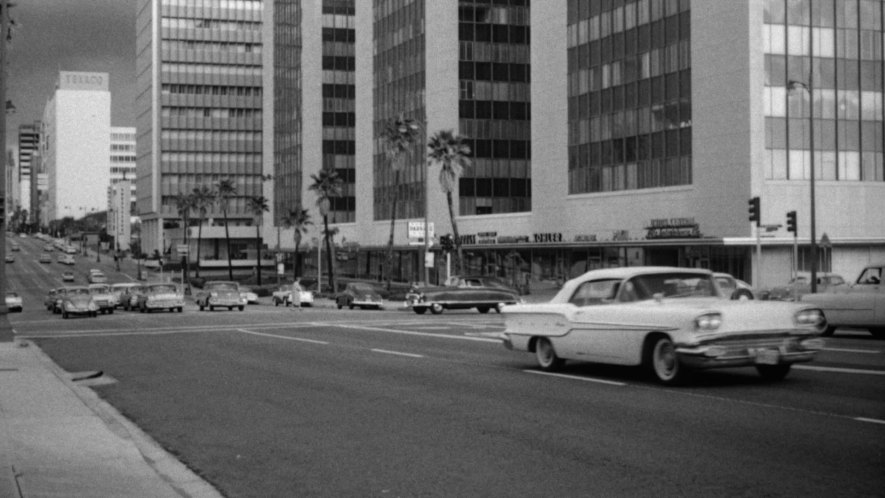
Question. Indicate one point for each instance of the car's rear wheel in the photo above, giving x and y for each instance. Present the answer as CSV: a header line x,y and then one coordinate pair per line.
x,y
436,308
202,307
664,362
773,372
276,302
242,308
211,308
482,309
64,314
546,356
351,306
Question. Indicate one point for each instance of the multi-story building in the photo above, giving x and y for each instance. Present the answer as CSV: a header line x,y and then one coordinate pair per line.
x,y
199,118
74,145
119,225
123,155
604,133
28,147
12,195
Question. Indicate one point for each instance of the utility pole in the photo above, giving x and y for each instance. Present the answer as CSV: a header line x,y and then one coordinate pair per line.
x,y
6,334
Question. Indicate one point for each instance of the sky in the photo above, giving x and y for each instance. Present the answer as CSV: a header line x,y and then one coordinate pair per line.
x,y
69,35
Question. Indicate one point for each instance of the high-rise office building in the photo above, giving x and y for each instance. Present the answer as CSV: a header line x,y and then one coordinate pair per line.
x,y
74,144
198,115
28,146
603,133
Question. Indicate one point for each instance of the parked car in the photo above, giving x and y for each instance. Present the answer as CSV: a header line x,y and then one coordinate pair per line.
x,y
77,301
103,297
45,258
283,295
249,295
359,295
10,258
97,277
670,320
129,297
160,296
220,294
67,276
861,304
461,293
801,285
120,290
734,288
15,247
13,302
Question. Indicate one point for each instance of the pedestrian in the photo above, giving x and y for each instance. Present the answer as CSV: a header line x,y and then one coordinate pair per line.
x,y
295,296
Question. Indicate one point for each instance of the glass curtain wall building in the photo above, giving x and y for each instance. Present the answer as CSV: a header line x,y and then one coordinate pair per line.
x,y
198,108
287,115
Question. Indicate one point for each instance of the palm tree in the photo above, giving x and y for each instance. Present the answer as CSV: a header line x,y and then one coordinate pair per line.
x,y
204,199
258,206
397,138
327,184
226,190
184,203
453,155
299,219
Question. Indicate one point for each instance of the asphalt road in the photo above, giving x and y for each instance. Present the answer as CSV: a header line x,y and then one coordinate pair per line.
x,y
321,402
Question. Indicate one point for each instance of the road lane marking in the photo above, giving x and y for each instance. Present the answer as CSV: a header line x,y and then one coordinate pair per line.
x,y
577,377
871,420
414,332
397,353
862,351
288,338
840,370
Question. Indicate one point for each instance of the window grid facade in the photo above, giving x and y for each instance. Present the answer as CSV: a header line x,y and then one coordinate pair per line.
x,y
494,106
339,103
287,163
629,91
846,62
207,98
399,85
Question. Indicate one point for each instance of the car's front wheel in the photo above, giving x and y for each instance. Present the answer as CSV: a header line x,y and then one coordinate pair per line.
x,y
773,372
436,308
664,362
483,309
742,295
420,311
546,356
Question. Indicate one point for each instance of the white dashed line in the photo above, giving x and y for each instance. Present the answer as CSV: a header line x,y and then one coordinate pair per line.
x,y
398,353
576,377
870,420
275,336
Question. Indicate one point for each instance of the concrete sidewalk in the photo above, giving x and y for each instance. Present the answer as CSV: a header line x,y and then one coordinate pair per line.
x,y
58,438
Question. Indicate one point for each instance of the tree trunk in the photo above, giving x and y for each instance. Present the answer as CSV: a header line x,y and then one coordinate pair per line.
x,y
230,266
460,261
199,240
186,256
389,260
328,256
296,265
258,253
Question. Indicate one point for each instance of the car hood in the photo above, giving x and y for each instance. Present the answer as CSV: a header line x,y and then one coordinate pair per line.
x,y
78,299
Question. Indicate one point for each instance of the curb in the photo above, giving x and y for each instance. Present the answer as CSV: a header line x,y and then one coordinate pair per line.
x,y
178,476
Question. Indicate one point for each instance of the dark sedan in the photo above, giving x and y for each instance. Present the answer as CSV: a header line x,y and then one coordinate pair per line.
x,y
482,293
359,295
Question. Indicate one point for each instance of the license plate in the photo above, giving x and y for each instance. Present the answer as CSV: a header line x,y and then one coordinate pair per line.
x,y
767,356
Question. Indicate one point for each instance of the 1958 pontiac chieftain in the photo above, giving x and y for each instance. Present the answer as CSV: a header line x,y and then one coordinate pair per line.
x,y
668,319
861,304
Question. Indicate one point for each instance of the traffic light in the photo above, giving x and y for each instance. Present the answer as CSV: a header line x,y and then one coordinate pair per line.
x,y
755,211
2,210
447,242
791,222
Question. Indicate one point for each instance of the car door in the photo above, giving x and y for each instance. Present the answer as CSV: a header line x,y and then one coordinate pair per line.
x,y
596,334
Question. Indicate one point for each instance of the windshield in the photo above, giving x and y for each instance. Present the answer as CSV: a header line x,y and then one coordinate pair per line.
x,y
100,289
222,286
162,288
362,288
78,291
671,285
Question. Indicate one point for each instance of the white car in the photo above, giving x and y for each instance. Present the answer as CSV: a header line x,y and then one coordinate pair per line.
x,y
13,302
668,319
250,296
283,296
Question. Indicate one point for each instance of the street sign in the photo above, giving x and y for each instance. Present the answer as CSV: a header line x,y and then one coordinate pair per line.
x,y
428,260
181,249
416,230
281,269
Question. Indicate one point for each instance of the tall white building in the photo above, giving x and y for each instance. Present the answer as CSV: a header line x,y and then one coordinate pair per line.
x,y
75,142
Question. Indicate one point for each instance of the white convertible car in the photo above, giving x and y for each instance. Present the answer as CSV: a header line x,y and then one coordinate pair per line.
x,y
668,319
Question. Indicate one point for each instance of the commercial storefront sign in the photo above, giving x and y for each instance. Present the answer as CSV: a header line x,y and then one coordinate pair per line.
x,y
542,238
673,228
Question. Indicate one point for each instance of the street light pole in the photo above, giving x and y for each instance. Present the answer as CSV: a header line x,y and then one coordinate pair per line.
x,y
6,334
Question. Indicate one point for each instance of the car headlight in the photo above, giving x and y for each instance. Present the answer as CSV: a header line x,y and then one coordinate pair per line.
x,y
213,294
811,317
92,307
708,321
